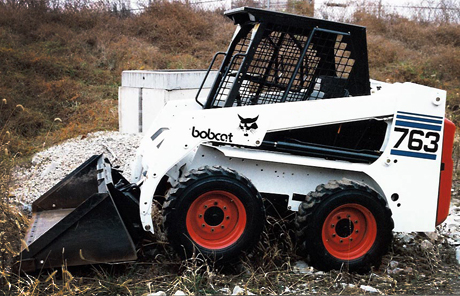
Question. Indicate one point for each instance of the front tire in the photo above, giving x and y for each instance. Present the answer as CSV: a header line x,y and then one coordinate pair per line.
x,y
344,224
215,212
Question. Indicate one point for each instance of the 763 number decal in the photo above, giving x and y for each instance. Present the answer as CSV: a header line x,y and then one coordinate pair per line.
x,y
419,135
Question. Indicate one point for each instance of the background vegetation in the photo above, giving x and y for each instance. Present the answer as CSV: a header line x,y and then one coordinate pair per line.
x,y
67,63
60,69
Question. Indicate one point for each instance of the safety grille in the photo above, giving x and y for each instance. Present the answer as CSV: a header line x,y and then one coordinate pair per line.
x,y
227,82
286,65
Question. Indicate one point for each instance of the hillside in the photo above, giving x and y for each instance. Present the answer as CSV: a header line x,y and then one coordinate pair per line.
x,y
67,64
407,51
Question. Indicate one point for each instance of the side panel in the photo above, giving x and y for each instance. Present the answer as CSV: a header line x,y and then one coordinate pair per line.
x,y
278,173
409,168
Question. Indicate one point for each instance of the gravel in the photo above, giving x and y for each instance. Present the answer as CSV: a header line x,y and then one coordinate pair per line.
x,y
51,165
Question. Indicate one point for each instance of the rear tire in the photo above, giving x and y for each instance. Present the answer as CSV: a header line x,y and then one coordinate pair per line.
x,y
215,212
344,224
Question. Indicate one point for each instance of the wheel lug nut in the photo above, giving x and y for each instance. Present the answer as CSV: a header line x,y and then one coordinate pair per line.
x,y
228,217
225,208
212,229
356,221
338,217
199,216
356,230
205,206
202,225
222,227
341,240
351,239
215,203
334,235
332,225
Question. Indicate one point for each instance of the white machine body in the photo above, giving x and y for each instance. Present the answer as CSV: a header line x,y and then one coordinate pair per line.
x,y
406,174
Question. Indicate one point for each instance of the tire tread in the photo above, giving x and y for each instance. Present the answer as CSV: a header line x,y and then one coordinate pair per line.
x,y
303,222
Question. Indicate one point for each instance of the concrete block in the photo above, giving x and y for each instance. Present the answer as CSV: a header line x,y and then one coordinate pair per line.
x,y
167,79
144,93
128,110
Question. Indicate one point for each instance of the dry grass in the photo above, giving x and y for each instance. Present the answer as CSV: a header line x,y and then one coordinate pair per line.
x,y
300,7
12,222
407,269
425,53
68,63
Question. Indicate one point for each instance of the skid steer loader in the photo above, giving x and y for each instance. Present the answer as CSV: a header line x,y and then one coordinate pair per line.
x,y
292,118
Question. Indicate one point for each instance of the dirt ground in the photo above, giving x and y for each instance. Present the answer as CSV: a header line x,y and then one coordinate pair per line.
x,y
417,263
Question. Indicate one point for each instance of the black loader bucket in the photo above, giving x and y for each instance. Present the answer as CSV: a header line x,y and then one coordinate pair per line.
x,y
89,217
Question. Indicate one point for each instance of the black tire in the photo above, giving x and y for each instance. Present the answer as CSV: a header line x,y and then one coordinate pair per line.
x,y
215,212
344,224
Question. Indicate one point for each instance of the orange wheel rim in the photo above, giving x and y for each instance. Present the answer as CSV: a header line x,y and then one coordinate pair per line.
x,y
349,231
216,220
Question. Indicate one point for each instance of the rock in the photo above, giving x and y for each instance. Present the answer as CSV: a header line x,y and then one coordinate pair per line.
x,y
51,165
433,236
454,209
405,237
50,168
395,270
238,291
393,264
159,293
26,207
457,254
225,291
300,264
179,292
302,267
452,227
408,270
369,289
426,245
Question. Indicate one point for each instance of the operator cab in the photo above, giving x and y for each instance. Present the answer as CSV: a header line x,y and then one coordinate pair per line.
x,y
276,58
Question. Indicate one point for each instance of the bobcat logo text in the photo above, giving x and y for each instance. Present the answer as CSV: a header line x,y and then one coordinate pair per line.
x,y
210,135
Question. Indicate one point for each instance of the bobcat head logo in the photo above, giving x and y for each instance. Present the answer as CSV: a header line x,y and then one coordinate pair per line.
x,y
247,124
